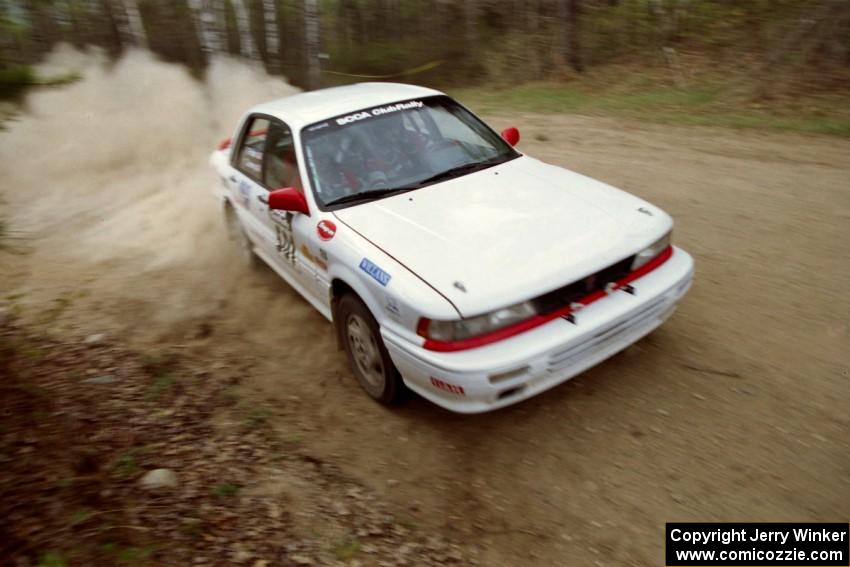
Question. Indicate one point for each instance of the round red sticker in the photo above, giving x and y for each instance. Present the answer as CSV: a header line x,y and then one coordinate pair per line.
x,y
326,229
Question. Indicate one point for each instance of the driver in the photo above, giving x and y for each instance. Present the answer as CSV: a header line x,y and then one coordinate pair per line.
x,y
335,179
395,147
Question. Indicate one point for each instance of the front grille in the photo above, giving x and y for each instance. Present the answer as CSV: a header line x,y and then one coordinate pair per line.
x,y
621,331
563,296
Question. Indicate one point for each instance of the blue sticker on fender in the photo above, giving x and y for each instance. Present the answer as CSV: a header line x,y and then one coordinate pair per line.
x,y
377,273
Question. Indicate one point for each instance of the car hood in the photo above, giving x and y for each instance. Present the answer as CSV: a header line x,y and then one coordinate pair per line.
x,y
508,233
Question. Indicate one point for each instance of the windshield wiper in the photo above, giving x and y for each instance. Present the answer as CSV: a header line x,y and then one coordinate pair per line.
x,y
462,170
368,195
372,194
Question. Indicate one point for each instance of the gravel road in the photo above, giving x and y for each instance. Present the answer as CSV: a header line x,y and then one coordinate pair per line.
x,y
735,410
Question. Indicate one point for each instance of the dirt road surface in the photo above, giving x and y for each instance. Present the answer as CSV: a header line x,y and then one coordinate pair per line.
x,y
735,410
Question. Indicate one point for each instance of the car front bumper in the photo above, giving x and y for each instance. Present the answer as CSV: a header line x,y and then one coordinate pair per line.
x,y
517,368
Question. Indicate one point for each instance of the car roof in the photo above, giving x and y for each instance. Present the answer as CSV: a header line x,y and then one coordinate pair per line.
x,y
312,106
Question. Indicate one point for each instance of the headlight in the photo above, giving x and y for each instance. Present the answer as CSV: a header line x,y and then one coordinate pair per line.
x,y
652,251
446,331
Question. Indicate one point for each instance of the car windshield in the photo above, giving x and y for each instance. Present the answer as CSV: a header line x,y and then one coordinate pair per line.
x,y
389,149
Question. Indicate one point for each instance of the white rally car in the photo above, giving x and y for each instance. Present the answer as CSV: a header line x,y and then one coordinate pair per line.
x,y
448,262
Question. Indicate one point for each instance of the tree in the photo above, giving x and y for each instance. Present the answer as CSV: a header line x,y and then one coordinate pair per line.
x,y
270,34
243,22
311,29
571,11
134,22
228,19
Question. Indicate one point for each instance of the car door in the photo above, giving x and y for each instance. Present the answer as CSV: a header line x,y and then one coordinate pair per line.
x,y
246,181
281,235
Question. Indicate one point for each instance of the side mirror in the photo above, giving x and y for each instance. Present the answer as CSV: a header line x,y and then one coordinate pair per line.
x,y
288,199
511,135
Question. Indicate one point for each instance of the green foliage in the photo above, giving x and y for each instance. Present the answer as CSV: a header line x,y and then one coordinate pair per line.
x,y
192,527
136,555
11,26
80,517
378,58
161,367
557,98
483,41
225,490
52,559
159,364
18,75
162,384
346,550
257,417
131,555
709,103
15,79
126,465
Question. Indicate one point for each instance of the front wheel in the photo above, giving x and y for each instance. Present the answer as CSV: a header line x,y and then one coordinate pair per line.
x,y
367,355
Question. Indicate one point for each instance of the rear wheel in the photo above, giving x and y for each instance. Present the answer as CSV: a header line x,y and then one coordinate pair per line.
x,y
244,246
367,355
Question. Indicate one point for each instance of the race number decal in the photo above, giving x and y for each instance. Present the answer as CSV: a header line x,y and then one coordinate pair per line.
x,y
283,229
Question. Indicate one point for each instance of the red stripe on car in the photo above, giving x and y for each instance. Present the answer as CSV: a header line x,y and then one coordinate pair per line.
x,y
538,320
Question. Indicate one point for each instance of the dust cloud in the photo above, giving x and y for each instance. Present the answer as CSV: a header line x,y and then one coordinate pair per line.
x,y
108,177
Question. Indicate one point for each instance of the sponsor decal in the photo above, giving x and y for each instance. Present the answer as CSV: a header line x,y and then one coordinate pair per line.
x,y
376,272
315,127
326,230
381,110
442,385
283,230
321,264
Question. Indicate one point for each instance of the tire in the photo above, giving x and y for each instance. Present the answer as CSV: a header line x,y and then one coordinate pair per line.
x,y
367,356
237,234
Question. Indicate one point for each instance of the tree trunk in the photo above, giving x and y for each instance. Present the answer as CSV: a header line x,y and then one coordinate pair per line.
x,y
134,23
571,16
230,27
470,17
243,22
311,28
272,39
110,34
209,34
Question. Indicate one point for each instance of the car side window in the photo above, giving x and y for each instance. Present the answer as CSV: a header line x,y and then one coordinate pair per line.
x,y
281,165
249,159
